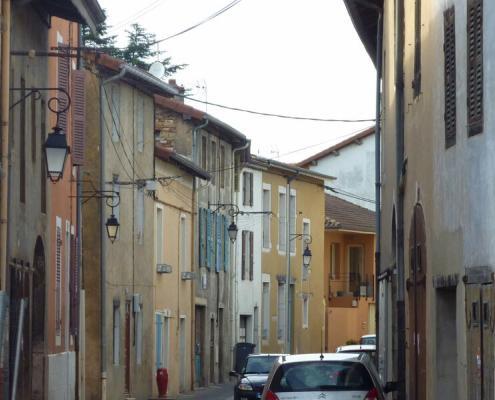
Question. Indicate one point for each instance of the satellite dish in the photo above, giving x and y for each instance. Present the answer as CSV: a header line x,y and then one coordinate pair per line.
x,y
157,69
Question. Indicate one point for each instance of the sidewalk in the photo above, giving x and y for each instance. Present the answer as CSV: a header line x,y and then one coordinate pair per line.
x,y
213,392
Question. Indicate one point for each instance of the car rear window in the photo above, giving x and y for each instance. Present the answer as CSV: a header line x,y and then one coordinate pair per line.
x,y
321,376
368,340
259,364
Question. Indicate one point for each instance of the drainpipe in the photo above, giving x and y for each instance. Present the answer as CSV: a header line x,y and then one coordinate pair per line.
x,y
381,359
4,184
399,122
288,299
103,275
234,253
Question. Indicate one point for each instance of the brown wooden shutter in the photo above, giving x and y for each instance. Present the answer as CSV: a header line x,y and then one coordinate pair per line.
x,y
250,189
417,49
63,83
243,263
450,115
251,273
78,116
244,187
74,287
475,66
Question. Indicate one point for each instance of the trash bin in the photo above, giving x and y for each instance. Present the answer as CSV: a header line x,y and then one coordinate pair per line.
x,y
162,381
241,351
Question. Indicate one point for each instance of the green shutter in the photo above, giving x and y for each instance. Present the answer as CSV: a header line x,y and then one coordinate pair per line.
x,y
209,238
226,244
219,230
202,238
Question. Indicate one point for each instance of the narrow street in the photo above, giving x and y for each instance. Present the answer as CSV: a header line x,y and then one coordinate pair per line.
x,y
213,392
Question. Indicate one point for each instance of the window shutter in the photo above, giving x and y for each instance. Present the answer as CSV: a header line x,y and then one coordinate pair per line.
x,y
78,116
243,265
226,243
158,340
219,230
58,279
209,239
244,188
74,287
450,116
250,256
202,241
475,66
250,189
417,49
63,83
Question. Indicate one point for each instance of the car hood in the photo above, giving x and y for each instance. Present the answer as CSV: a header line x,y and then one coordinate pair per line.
x,y
256,378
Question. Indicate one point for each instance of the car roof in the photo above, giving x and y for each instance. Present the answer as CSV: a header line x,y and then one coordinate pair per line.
x,y
267,355
356,347
318,357
368,336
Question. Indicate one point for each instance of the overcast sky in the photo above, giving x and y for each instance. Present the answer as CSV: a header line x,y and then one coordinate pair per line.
x,y
300,58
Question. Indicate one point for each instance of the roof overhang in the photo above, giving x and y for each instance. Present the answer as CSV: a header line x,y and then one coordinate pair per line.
x,y
86,12
181,162
364,16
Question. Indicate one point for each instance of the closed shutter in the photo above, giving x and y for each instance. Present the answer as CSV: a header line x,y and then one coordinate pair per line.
x,y
450,77
219,231
58,278
243,263
63,83
417,49
209,238
244,188
202,237
74,287
226,243
475,66
250,189
78,116
251,272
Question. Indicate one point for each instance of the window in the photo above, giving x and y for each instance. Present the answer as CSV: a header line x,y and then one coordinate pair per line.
x,y
247,256
266,217
334,260
159,235
43,169
22,144
305,311
475,66
213,162
247,188
203,152
282,215
281,311
116,332
292,220
222,167
450,116
417,49
166,341
58,281
115,111
139,334
140,124
140,214
33,128
356,267
265,306
183,244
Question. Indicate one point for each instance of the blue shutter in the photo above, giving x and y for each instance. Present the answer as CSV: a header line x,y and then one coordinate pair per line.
x,y
219,230
226,244
158,346
209,239
202,239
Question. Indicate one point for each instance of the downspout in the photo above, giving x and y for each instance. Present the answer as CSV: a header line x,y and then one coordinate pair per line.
x,y
234,253
399,122
4,185
103,275
381,365
195,244
288,271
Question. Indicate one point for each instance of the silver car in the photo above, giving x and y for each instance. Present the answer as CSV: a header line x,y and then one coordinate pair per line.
x,y
327,376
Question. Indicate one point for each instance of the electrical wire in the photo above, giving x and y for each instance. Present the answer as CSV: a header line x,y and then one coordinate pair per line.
x,y
348,194
212,16
133,17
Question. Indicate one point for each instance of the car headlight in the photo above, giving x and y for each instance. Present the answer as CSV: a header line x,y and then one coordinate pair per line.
x,y
245,386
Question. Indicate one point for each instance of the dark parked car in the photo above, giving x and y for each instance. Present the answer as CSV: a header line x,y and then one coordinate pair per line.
x,y
253,375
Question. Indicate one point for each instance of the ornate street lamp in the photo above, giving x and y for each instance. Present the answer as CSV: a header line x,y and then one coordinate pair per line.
x,y
56,151
112,227
232,230
307,256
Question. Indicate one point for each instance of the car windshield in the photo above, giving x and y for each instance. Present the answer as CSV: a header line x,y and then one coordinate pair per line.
x,y
368,340
321,376
259,364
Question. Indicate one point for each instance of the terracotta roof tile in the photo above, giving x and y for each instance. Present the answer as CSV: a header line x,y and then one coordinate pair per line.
x,y
341,214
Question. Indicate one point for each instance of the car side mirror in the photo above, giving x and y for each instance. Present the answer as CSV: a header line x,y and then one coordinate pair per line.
x,y
390,387
233,374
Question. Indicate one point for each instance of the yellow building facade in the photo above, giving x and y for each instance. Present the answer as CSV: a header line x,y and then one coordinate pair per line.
x,y
306,206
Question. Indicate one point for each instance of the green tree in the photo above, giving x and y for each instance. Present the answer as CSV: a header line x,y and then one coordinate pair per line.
x,y
101,39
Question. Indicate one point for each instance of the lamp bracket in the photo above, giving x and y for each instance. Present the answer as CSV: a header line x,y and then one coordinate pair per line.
x,y
307,238
111,197
234,209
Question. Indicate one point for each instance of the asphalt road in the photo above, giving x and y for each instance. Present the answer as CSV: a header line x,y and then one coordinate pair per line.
x,y
213,392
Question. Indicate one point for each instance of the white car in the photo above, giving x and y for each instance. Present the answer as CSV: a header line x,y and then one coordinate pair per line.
x,y
368,339
369,349
329,376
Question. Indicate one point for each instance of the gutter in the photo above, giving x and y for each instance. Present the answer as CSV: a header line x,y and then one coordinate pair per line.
x,y
103,275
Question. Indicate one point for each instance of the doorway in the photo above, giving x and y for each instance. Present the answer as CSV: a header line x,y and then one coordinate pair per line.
x,y
416,286
199,345
212,350
182,352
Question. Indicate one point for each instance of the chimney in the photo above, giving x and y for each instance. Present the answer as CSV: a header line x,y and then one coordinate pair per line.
x,y
180,89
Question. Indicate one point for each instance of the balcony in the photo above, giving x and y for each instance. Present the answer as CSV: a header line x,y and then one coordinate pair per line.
x,y
352,285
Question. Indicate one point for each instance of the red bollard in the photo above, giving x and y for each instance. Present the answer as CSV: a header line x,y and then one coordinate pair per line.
x,y
162,381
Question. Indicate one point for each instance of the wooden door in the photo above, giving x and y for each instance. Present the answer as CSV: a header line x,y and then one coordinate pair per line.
x,y
416,286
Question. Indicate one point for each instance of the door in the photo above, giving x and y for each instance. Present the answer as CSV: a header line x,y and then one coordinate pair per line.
x,y
416,286
182,352
212,350
198,346
127,350
220,344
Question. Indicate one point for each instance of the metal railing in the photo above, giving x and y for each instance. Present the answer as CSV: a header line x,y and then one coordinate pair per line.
x,y
352,285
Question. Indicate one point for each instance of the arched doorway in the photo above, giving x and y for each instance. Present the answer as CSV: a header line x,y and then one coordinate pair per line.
x,y
416,287
38,322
